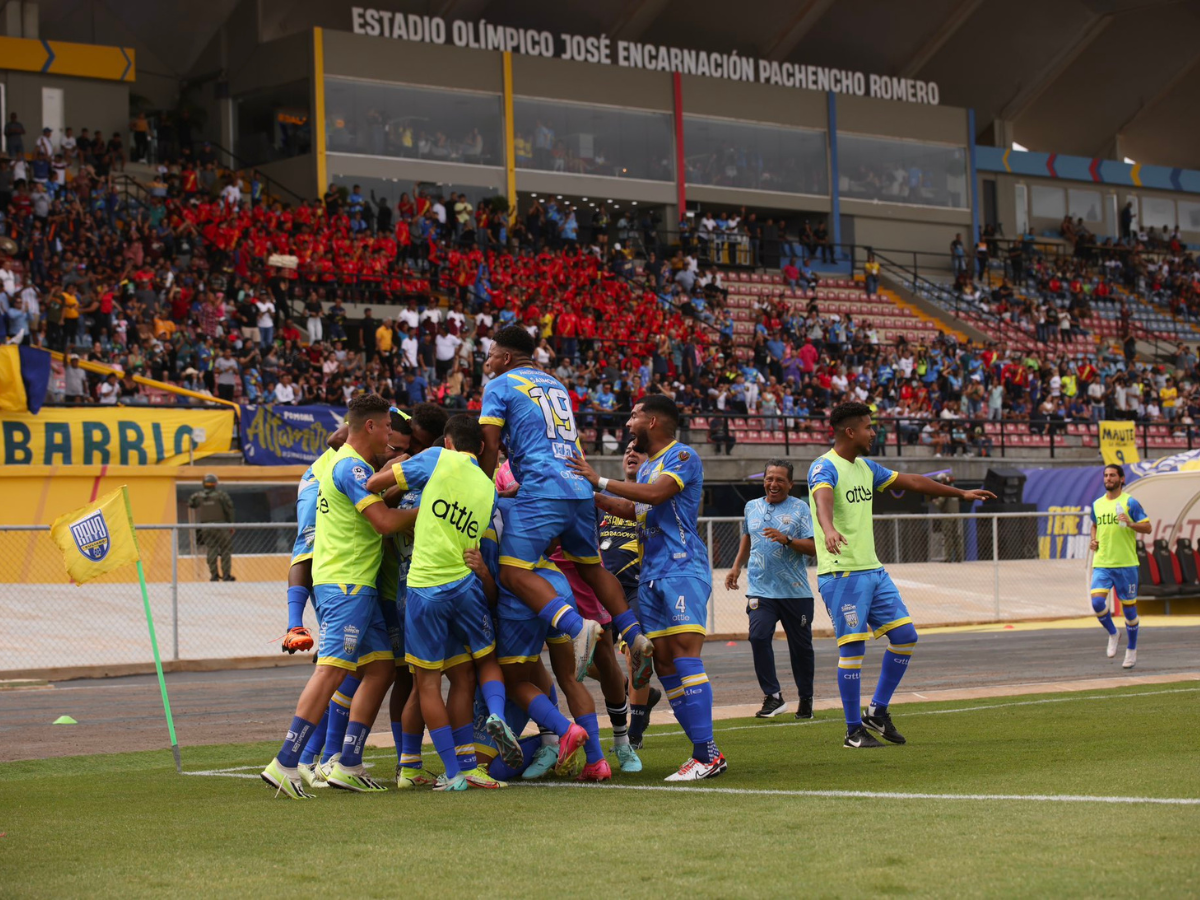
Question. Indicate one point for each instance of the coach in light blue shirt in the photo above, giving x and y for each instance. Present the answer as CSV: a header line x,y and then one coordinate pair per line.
x,y
777,535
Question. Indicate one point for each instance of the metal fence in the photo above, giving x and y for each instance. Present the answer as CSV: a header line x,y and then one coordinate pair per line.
x,y
951,569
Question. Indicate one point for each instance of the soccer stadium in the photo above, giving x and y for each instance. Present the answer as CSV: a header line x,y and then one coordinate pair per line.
x,y
564,404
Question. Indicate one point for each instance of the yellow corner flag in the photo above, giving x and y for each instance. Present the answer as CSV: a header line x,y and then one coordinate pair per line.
x,y
97,538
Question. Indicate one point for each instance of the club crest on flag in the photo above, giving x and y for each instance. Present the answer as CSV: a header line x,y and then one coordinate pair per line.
x,y
91,536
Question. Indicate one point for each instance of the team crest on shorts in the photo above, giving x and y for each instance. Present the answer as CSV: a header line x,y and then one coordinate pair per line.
x,y
91,536
754,603
850,614
350,638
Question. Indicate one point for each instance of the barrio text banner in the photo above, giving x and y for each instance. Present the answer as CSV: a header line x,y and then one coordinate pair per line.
x,y
112,437
484,35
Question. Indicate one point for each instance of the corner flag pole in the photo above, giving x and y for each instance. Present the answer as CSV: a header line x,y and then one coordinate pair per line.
x,y
162,682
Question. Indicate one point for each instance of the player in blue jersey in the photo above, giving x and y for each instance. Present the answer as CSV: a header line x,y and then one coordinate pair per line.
x,y
860,596
676,582
530,412
777,535
346,557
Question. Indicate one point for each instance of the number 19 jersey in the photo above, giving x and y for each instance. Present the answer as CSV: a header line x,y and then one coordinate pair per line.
x,y
539,432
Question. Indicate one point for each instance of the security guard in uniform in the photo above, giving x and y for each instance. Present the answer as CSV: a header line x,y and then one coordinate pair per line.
x,y
214,505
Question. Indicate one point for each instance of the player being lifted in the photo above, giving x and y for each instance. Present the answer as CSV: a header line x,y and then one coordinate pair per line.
x,y
860,596
676,581
346,557
530,412
1117,520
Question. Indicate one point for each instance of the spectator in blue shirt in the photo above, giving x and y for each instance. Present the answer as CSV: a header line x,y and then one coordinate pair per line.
x,y
417,387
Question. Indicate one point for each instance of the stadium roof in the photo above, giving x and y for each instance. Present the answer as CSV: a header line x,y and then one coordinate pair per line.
x,y
1070,75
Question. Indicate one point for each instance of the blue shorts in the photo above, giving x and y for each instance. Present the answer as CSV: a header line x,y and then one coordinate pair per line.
x,y
353,632
393,618
1124,581
521,640
674,605
306,525
862,603
447,625
541,520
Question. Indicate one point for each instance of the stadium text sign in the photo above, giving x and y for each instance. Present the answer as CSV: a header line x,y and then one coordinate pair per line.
x,y
112,437
484,35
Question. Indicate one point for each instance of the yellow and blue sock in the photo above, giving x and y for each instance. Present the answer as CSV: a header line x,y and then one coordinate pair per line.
x,y
697,693
410,748
591,748
1131,626
443,742
1100,607
850,657
673,688
895,663
352,746
297,737
464,747
339,716
316,740
558,613
494,696
627,626
546,714
502,771
297,598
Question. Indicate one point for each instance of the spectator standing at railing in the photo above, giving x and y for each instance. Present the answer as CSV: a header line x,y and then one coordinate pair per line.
x,y
871,272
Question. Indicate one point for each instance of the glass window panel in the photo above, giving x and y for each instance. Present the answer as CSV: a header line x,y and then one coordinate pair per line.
x,y
415,123
1048,202
1158,213
1086,205
892,171
272,124
593,140
722,153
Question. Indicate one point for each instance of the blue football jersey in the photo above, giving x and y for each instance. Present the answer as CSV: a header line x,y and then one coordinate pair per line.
x,y
539,432
671,544
776,571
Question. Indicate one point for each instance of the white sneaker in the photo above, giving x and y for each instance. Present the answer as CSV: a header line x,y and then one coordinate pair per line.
x,y
694,770
312,776
327,767
585,647
1130,659
1113,640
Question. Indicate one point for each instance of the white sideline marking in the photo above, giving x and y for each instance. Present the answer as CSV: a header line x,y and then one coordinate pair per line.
x,y
872,795
236,771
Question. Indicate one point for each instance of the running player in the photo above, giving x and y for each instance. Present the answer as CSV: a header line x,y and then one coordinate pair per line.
x,y
446,610
859,595
346,558
1117,519
676,581
530,411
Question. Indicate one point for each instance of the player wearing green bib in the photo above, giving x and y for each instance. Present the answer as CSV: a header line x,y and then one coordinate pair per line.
x,y
346,557
1117,520
860,596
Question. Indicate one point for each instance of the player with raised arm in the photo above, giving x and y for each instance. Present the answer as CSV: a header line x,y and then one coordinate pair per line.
x,y
860,596
529,411
1117,520
676,582
346,557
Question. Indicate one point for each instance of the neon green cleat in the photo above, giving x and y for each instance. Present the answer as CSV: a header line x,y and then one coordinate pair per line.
x,y
408,778
327,766
312,775
354,779
478,777
627,759
285,781
543,761
457,783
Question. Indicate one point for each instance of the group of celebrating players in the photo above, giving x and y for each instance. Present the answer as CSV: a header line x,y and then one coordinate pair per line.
x,y
426,556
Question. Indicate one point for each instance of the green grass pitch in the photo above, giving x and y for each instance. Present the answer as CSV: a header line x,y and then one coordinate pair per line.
x,y
128,826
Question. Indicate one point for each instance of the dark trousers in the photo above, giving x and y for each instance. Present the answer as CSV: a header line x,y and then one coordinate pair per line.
x,y
796,615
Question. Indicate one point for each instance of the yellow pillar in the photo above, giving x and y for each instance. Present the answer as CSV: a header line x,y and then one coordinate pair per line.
x,y
510,156
318,116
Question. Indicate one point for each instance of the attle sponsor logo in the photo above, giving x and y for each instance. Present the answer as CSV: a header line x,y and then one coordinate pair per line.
x,y
858,494
460,517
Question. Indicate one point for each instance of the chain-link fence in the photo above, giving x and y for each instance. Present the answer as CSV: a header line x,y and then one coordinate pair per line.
x,y
951,569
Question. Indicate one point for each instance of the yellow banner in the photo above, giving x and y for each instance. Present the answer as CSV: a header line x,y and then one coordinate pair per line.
x,y
120,436
1118,442
65,58
97,538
